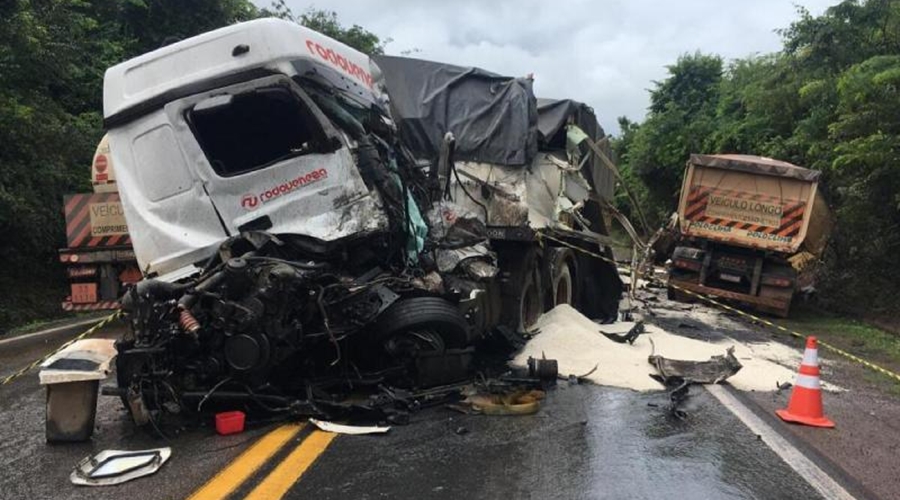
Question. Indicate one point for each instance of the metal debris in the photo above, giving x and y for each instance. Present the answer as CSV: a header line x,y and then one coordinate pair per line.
x,y
111,467
628,337
517,402
714,371
348,429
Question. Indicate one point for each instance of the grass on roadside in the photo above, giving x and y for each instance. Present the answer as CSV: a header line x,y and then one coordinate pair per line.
x,y
857,337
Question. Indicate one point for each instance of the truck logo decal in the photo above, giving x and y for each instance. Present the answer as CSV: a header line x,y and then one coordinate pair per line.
x,y
250,201
755,213
339,61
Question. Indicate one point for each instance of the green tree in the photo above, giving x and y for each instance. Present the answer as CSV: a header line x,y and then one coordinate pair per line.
x,y
828,101
52,57
680,121
53,54
327,23
149,24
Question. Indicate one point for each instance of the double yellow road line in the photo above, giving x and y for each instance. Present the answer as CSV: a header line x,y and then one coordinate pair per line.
x,y
281,478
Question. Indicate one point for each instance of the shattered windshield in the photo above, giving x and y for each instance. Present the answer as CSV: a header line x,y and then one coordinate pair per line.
x,y
245,132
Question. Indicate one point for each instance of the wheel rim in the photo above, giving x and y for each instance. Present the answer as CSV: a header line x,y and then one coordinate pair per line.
x,y
415,341
530,306
563,286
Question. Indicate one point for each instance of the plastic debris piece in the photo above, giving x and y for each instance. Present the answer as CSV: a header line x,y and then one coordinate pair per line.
x,y
111,467
348,429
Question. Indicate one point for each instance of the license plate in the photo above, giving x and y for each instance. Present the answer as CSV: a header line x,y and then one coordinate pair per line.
x,y
730,277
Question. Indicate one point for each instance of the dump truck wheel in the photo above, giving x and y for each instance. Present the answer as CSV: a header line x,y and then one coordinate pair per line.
x,y
424,315
784,295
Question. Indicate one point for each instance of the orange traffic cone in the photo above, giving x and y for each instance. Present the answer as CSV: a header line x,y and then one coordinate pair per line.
x,y
805,406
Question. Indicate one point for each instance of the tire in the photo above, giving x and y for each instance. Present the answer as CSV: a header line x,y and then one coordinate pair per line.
x,y
424,314
783,295
600,287
563,277
530,306
522,297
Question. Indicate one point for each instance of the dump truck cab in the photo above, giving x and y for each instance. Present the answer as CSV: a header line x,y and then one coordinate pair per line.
x,y
220,134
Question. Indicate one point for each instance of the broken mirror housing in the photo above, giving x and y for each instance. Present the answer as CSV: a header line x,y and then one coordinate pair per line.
x,y
111,467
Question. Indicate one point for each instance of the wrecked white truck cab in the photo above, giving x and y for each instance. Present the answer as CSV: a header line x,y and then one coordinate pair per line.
x,y
213,137
311,222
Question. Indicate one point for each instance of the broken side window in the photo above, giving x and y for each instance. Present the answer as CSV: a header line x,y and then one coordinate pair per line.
x,y
245,132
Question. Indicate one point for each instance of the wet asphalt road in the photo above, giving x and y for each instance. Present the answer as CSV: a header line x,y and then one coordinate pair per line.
x,y
586,442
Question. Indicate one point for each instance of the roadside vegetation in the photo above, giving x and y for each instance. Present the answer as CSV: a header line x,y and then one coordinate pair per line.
x,y
830,101
859,337
53,54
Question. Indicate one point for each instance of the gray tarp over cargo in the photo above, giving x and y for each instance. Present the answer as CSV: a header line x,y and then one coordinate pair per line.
x,y
496,119
493,117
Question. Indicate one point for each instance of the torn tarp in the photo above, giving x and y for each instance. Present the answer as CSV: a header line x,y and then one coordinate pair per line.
x,y
493,117
554,119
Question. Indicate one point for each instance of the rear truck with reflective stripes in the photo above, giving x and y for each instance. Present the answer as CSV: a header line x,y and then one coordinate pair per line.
x,y
98,256
749,229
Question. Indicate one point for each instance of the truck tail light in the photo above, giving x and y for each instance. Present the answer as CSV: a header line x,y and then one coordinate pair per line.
x,y
691,265
776,281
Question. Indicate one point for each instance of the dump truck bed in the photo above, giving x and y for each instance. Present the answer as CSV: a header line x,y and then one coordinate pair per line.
x,y
753,202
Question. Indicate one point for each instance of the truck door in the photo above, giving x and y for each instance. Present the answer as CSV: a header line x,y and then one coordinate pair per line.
x,y
271,161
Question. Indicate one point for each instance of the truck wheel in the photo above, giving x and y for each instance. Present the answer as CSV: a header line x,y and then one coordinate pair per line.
x,y
530,304
783,295
563,277
600,287
521,292
425,316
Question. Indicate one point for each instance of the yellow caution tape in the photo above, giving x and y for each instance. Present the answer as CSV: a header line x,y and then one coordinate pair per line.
x,y
709,300
90,331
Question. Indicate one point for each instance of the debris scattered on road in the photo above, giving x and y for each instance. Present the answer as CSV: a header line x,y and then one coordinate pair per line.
x,y
110,467
577,345
348,429
543,369
714,371
628,337
230,422
517,402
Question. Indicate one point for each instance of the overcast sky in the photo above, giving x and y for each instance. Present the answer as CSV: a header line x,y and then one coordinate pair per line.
x,y
606,53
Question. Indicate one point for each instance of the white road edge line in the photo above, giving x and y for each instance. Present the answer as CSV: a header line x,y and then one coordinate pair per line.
x,y
41,333
815,476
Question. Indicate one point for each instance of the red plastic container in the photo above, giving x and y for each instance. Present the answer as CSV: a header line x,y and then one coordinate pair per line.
x,y
230,422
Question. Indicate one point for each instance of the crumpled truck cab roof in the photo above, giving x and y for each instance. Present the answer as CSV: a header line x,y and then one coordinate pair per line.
x,y
223,133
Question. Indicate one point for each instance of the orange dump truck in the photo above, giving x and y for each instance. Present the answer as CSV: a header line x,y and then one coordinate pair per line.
x,y
99,258
749,228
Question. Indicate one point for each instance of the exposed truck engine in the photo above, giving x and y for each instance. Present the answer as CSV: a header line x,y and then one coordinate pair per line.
x,y
307,226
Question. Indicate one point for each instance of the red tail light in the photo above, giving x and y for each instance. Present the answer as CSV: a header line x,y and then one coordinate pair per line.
x,y
776,281
691,265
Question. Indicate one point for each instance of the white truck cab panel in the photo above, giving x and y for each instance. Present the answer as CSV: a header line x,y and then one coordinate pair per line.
x,y
211,137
